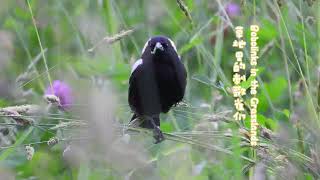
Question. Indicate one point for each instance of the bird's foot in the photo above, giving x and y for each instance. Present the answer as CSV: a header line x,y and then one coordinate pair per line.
x,y
158,135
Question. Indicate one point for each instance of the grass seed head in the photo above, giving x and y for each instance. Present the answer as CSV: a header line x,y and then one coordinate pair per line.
x,y
29,152
53,141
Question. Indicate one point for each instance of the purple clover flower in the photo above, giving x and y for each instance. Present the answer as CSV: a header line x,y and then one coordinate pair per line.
x,y
63,91
232,9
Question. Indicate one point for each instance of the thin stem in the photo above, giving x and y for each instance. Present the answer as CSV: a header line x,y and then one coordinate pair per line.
x,y
42,50
309,97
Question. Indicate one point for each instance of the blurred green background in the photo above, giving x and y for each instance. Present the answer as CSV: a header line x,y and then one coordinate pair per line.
x,y
204,142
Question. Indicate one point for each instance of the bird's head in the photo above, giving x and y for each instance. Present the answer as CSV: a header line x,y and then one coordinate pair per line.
x,y
159,46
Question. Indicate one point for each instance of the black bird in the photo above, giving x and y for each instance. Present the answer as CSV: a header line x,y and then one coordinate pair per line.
x,y
157,82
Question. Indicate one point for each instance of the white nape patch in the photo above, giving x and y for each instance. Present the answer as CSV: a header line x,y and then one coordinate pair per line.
x,y
135,65
173,45
145,46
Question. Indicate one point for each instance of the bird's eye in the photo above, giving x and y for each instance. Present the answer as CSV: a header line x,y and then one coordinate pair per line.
x,y
165,45
152,45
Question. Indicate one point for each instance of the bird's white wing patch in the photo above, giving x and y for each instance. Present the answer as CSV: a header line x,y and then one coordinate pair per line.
x,y
145,46
173,45
135,65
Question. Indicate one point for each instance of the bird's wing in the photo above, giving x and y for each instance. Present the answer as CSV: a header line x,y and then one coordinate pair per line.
x,y
180,68
136,65
133,88
181,77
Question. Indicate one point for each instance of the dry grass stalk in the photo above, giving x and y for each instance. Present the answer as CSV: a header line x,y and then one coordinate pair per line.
x,y
68,124
266,133
21,109
24,77
15,112
222,116
185,9
111,40
52,99
30,71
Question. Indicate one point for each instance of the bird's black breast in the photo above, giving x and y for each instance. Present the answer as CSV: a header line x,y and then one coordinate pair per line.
x,y
156,85
171,88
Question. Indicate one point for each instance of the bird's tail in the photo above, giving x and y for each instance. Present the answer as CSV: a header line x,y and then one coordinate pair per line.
x,y
137,121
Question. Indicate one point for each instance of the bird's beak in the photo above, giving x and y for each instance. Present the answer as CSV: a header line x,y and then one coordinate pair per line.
x,y
156,47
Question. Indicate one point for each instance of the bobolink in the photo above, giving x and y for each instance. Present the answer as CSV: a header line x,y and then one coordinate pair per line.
x,y
157,82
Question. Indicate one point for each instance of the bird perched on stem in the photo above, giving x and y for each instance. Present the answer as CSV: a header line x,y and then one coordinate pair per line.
x,y
157,82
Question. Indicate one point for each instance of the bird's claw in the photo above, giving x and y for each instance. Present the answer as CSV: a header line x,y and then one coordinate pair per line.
x,y
158,135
